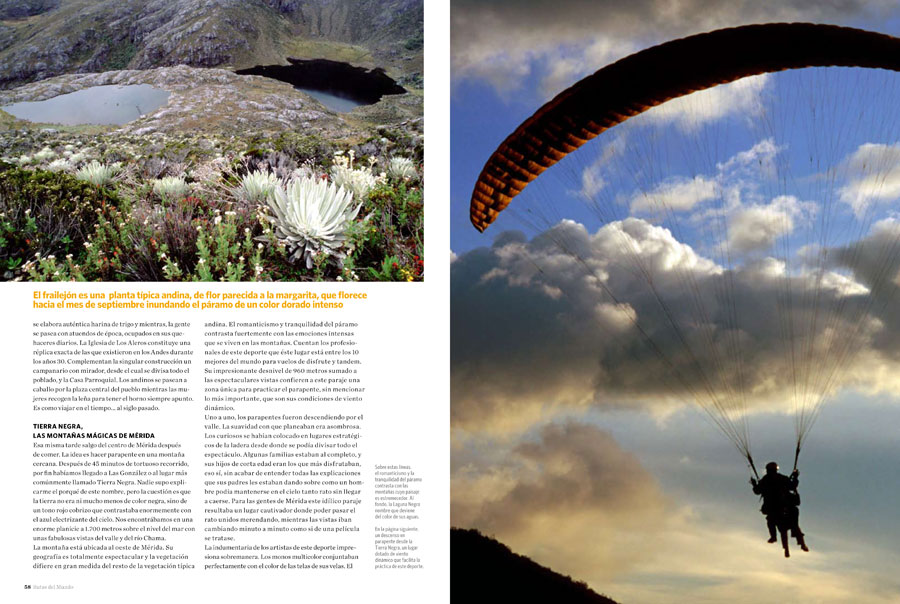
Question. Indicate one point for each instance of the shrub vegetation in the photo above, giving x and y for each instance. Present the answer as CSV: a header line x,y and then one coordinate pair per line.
x,y
164,208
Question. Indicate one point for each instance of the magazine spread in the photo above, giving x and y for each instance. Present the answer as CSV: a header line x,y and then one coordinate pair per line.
x,y
660,364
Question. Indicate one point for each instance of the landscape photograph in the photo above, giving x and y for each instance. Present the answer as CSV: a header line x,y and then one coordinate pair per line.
x,y
223,140
675,283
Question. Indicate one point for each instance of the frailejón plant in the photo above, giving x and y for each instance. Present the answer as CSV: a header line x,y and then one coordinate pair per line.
x,y
97,173
358,181
311,217
170,187
402,168
256,186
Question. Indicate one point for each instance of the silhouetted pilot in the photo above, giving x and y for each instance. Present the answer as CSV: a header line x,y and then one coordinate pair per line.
x,y
792,511
780,503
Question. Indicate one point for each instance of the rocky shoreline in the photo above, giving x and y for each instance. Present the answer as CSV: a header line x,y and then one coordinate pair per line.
x,y
218,101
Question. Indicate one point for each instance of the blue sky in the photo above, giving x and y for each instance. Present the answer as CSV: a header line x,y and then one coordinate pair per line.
x,y
569,443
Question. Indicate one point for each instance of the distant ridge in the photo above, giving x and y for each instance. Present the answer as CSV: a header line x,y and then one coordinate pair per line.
x,y
484,570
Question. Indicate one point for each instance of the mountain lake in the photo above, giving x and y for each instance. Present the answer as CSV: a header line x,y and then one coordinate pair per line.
x,y
339,86
96,105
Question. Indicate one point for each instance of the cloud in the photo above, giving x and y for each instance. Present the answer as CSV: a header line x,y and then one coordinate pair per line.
x,y
568,64
537,329
570,495
760,158
504,41
873,176
875,261
752,224
676,194
756,228
592,179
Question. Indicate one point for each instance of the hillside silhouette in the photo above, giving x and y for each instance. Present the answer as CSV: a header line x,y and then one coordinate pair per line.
x,y
483,569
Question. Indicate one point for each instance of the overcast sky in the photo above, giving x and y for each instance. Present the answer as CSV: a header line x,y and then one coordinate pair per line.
x,y
585,348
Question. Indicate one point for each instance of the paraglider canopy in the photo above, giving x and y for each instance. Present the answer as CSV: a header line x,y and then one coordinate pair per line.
x,y
653,76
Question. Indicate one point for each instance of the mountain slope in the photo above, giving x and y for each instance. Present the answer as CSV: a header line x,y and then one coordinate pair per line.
x,y
483,570
43,38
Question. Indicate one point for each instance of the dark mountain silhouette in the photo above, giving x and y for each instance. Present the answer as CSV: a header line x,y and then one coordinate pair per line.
x,y
484,570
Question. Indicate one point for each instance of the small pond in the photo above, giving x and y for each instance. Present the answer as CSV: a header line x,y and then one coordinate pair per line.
x,y
339,86
96,105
